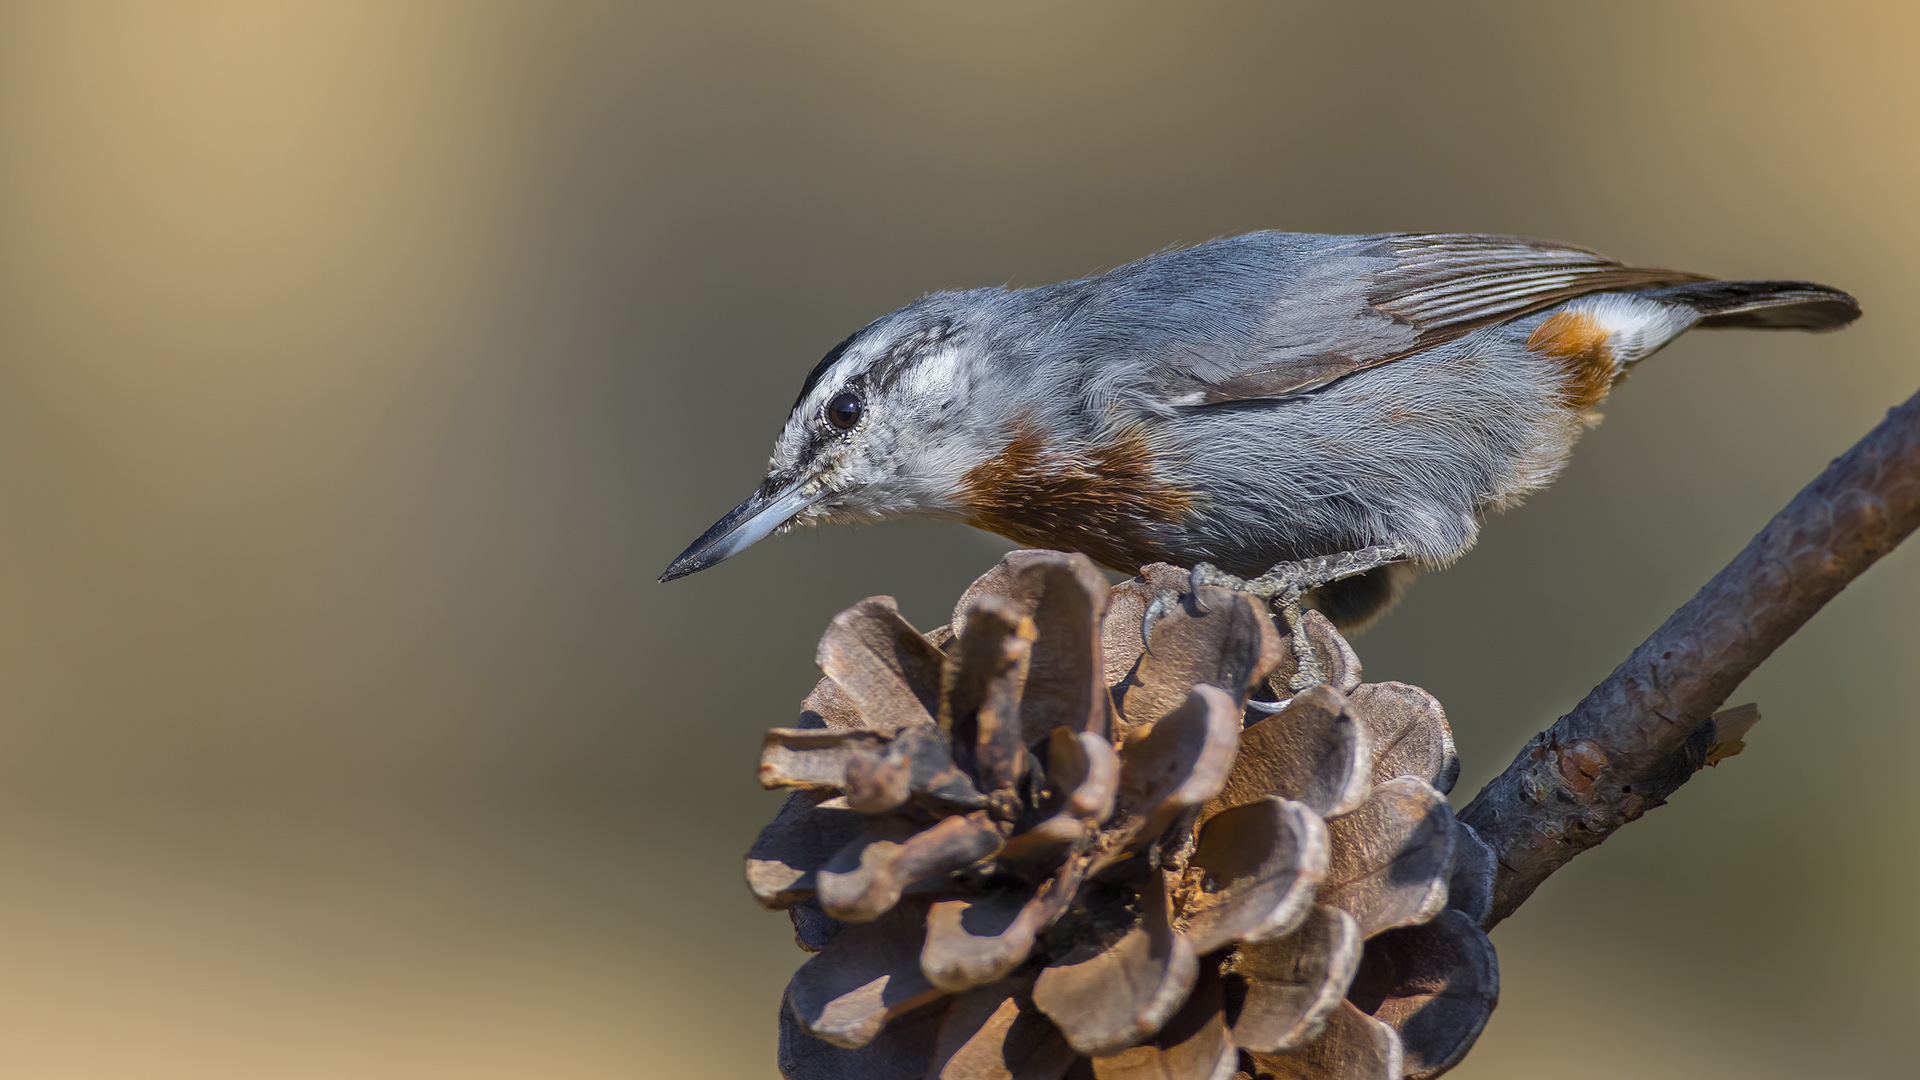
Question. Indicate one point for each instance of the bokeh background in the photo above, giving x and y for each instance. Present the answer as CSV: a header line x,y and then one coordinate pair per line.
x,y
362,361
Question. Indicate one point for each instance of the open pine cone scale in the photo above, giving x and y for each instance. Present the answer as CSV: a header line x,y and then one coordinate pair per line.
x,y
1026,845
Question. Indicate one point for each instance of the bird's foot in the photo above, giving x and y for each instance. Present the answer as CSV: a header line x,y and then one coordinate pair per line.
x,y
1284,588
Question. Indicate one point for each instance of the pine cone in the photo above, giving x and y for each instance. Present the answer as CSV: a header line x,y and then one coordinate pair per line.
x,y
1024,846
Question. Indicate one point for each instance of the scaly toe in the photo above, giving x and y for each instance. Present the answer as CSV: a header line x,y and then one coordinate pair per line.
x,y
1205,573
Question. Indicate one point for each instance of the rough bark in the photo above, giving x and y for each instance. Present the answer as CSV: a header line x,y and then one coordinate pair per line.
x,y
1650,726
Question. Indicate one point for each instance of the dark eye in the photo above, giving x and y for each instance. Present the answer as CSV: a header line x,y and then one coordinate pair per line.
x,y
844,410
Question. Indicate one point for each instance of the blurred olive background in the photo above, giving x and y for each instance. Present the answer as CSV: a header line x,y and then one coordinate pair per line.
x,y
363,361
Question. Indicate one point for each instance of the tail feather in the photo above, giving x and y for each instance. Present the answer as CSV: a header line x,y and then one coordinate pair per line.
x,y
1765,305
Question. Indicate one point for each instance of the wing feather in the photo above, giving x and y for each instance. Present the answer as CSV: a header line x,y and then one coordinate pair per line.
x,y
1439,286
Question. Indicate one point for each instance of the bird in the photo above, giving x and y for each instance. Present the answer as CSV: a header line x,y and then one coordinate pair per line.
x,y
1314,418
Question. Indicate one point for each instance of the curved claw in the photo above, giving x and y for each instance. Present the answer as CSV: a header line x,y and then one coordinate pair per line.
x,y
1157,609
1201,574
1269,707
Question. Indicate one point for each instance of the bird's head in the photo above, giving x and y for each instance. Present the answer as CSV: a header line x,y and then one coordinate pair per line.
x,y
882,428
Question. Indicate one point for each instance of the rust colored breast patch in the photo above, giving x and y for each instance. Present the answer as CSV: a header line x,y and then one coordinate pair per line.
x,y
1578,341
1102,502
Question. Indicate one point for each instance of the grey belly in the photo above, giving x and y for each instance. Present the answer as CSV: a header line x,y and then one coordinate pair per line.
x,y
1414,451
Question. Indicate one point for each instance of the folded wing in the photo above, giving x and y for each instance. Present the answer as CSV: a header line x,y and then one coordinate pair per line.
x,y
1357,302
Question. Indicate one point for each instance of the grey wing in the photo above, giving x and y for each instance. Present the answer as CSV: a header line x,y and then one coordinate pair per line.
x,y
1365,301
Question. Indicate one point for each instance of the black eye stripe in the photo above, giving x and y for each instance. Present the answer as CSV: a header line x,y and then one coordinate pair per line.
x,y
844,410
889,366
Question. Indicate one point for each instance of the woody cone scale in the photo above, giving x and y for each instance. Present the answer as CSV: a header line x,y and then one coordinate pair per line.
x,y
1025,846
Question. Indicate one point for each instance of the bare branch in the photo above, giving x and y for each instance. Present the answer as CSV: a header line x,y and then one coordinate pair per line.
x,y
1645,730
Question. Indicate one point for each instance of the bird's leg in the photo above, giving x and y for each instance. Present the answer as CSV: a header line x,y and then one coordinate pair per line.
x,y
1283,588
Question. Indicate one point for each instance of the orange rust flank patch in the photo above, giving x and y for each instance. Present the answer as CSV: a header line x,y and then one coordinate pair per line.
x,y
1578,341
1102,502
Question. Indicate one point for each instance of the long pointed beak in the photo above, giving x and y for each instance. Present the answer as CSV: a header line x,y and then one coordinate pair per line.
x,y
743,526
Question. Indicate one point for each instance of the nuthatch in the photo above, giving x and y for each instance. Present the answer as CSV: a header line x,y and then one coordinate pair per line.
x,y
1340,409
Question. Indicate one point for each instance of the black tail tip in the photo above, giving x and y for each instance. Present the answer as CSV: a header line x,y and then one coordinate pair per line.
x,y
1765,305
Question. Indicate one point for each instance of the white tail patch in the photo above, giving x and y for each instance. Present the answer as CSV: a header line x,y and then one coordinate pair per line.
x,y
1635,327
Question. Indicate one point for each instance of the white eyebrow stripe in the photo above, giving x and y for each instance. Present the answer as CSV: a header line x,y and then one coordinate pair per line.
x,y
932,371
